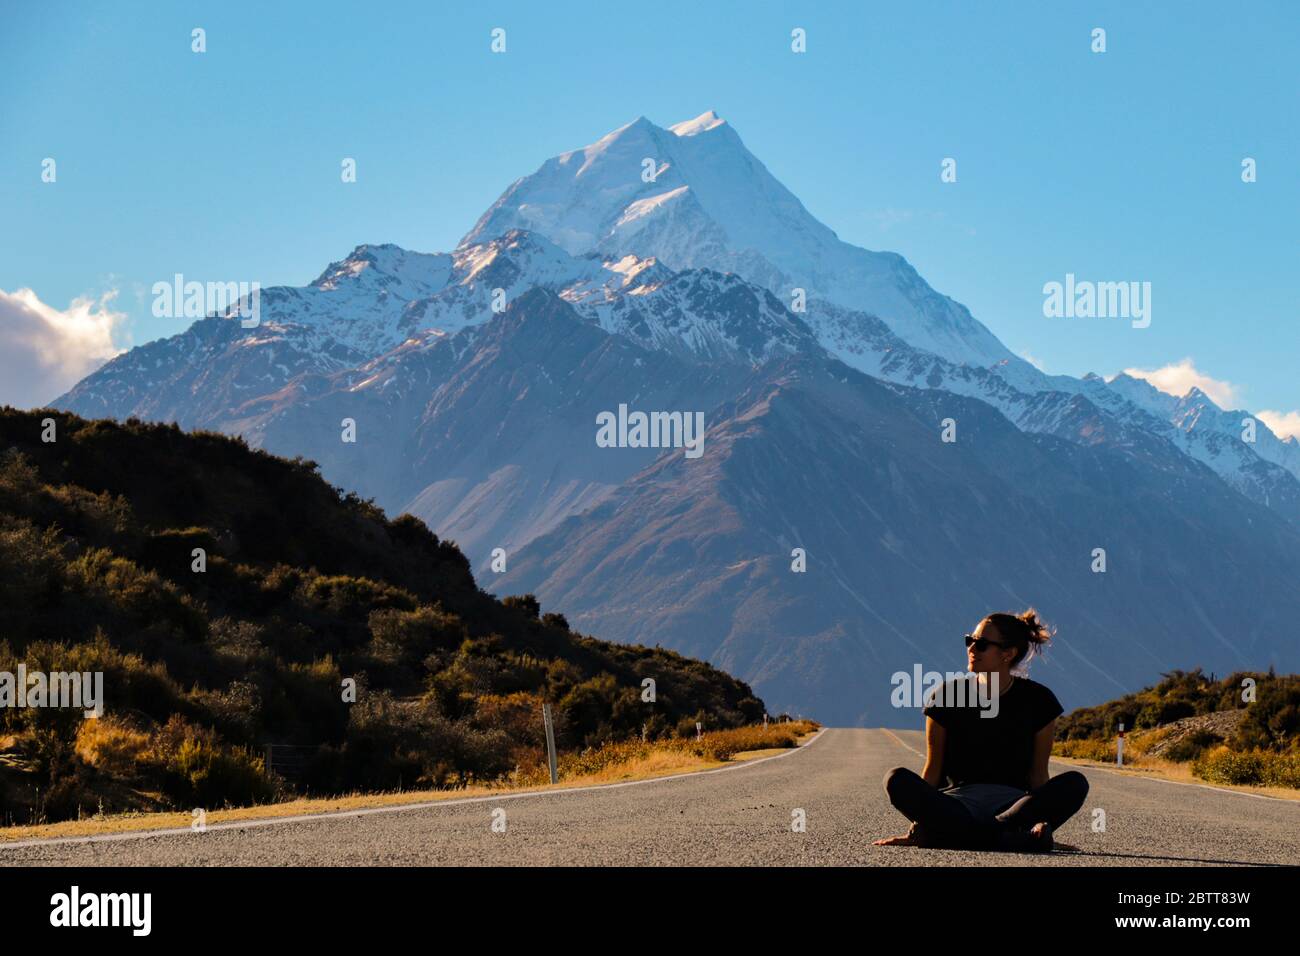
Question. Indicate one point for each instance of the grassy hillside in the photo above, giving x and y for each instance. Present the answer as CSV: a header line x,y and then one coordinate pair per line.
x,y
1202,721
304,587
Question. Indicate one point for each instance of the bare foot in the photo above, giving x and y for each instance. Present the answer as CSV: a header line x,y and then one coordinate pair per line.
x,y
1042,833
905,840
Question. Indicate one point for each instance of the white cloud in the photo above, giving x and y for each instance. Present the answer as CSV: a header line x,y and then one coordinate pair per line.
x,y
1281,424
1178,377
45,351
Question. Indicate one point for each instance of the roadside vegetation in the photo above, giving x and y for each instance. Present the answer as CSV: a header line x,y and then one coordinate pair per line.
x,y
615,762
1209,726
301,593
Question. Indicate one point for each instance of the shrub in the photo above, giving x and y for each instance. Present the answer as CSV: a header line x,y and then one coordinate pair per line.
x,y
113,745
1273,721
525,602
408,637
197,770
1164,711
1190,747
1222,765
353,598
1099,750
589,706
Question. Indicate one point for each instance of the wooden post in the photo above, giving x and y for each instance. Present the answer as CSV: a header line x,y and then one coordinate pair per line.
x,y
550,742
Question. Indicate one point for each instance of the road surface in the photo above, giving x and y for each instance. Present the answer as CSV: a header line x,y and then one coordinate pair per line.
x,y
741,815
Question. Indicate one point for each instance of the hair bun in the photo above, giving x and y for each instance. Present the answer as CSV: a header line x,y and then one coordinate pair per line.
x,y
1039,633
1025,631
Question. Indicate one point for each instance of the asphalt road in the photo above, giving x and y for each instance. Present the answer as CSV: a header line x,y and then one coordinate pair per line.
x,y
740,815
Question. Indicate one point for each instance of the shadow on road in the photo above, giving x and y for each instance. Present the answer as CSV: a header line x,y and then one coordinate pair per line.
x,y
1174,859
1137,856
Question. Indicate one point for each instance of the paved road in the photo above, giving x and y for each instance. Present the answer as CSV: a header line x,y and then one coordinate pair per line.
x,y
739,815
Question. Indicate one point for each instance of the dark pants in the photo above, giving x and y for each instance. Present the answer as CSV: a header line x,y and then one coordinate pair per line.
x,y
944,821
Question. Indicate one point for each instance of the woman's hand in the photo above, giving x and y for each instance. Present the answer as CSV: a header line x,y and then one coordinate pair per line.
x,y
904,840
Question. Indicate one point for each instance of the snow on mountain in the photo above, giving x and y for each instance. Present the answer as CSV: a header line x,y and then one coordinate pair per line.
x,y
380,297
1211,434
1125,411
386,270
696,313
1144,395
699,262
487,433
701,314
358,302
711,204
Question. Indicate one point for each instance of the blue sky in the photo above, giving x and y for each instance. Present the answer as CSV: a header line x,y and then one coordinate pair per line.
x,y
1117,166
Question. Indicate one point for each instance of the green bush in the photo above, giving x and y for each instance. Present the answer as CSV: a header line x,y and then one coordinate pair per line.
x,y
524,602
1257,767
1191,747
197,771
1272,721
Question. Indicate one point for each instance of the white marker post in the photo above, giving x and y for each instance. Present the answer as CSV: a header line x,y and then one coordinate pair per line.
x,y
550,741
699,730
1119,747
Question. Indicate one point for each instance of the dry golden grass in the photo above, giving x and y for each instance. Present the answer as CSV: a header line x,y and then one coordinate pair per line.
x,y
670,758
1219,766
1177,772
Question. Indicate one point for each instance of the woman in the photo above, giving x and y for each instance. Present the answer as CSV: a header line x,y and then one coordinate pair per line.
x,y
998,794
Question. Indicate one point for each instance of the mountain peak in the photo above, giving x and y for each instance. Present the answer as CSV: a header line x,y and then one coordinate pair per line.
x,y
701,124
384,269
363,257
693,196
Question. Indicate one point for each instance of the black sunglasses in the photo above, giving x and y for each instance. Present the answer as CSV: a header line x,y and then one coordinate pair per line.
x,y
982,643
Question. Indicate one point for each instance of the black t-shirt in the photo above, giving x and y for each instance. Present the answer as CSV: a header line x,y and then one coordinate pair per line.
x,y
995,749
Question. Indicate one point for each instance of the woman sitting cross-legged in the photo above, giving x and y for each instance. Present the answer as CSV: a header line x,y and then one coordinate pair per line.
x,y
998,796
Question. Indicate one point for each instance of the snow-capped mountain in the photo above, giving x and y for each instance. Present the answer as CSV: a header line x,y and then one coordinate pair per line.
x,y
360,301
711,204
379,297
474,378
1084,410
218,375
488,433
1196,413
